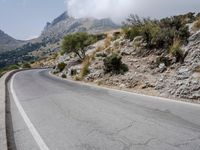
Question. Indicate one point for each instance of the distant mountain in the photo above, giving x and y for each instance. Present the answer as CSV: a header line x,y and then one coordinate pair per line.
x,y
64,24
48,41
8,43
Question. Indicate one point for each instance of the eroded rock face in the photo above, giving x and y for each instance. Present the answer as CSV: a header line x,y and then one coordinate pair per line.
x,y
185,82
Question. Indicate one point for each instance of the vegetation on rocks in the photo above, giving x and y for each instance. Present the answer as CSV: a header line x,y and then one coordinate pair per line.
x,y
176,51
196,26
64,76
26,65
164,60
159,33
114,65
61,66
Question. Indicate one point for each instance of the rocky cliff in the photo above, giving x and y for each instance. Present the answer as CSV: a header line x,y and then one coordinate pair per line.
x,y
64,24
185,80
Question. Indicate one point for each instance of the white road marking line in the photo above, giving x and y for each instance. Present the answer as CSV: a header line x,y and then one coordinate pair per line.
x,y
29,124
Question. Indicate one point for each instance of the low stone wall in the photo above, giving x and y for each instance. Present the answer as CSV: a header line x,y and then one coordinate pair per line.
x,y
3,137
5,144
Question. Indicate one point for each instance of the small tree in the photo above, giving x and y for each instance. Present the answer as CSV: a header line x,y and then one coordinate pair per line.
x,y
77,43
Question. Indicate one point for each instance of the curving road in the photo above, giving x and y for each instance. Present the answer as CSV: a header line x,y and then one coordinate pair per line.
x,y
52,114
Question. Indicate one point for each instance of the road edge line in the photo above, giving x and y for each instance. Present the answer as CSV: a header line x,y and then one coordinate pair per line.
x,y
32,129
127,92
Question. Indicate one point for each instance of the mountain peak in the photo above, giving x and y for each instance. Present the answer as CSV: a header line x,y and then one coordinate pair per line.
x,y
63,16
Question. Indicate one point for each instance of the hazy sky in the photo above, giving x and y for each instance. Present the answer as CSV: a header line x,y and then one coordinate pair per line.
x,y
24,19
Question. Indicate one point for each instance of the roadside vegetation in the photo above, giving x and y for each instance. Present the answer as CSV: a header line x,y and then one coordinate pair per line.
x,y
114,65
159,34
14,67
77,43
61,66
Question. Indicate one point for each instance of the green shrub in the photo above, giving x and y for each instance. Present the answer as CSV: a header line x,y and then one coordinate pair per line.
x,y
101,54
13,67
131,33
62,52
164,60
73,72
61,66
64,76
159,33
150,32
101,36
26,65
113,64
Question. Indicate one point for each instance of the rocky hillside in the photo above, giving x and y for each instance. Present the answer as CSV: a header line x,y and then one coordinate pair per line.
x,y
184,81
152,71
64,24
8,43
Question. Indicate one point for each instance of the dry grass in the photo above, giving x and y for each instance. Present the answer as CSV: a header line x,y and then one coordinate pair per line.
x,y
196,25
177,52
99,48
107,41
197,69
85,69
176,47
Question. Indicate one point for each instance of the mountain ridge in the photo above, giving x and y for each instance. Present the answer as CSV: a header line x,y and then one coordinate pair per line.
x,y
65,24
8,43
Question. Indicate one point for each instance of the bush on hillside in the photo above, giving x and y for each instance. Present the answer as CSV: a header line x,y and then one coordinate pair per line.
x,y
64,76
158,33
164,60
26,66
61,66
73,72
114,65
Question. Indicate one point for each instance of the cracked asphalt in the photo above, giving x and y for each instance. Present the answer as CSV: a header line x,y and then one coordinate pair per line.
x,y
71,116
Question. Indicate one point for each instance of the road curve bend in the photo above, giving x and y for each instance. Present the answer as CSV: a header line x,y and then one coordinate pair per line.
x,y
52,114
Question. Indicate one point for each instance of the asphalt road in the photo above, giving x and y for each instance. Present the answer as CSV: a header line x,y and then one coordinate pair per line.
x,y
52,114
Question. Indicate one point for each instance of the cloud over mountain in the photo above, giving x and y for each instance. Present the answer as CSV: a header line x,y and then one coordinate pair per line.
x,y
120,9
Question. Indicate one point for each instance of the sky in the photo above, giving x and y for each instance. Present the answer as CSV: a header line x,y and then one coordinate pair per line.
x,y
25,19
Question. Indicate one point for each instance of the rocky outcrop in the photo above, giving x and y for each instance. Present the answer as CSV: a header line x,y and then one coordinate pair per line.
x,y
185,82
64,24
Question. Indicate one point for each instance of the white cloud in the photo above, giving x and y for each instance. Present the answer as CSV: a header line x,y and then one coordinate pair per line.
x,y
118,10
115,9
